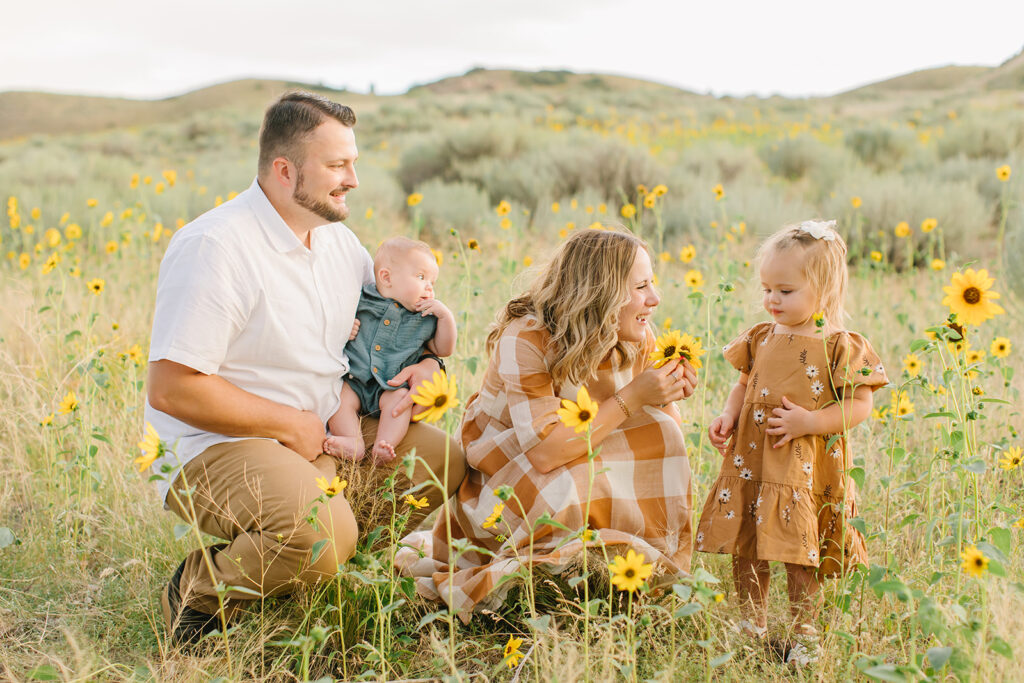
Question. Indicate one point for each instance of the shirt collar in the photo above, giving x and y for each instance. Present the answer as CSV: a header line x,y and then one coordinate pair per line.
x,y
276,230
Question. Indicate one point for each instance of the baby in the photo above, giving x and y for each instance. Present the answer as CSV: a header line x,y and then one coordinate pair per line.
x,y
398,320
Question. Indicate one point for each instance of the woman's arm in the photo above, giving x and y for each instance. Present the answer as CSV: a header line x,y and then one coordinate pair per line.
x,y
561,445
791,421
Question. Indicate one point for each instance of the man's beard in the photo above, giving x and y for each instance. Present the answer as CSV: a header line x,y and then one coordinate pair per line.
x,y
328,212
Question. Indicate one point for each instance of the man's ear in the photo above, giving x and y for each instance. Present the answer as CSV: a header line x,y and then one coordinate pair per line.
x,y
284,172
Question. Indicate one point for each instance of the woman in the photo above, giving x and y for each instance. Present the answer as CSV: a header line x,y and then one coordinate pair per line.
x,y
583,322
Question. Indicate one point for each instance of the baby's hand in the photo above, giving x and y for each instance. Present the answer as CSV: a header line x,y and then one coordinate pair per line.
x,y
433,307
790,422
355,330
719,432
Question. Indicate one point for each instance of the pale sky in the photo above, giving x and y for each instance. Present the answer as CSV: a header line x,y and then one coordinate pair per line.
x,y
156,49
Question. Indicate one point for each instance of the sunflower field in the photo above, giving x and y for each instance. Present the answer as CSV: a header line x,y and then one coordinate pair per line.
x,y
927,190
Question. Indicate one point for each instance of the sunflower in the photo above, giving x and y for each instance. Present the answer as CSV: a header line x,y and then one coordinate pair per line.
x,y
912,364
503,208
974,356
152,448
414,199
336,485
437,396
975,563
495,516
901,404
938,264
96,285
674,344
580,414
629,572
1000,347
876,256
438,255
411,501
688,253
719,191
969,296
1011,459
649,201
855,202
512,653
628,211
929,224
902,229
694,279
1003,172
68,404
659,190
473,244
46,421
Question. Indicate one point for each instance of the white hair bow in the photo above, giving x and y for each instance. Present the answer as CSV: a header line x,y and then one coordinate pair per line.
x,y
822,230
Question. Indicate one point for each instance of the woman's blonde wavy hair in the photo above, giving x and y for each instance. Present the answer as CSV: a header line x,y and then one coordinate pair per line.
x,y
577,297
824,267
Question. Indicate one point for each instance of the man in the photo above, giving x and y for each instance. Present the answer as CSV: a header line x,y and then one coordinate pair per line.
x,y
254,303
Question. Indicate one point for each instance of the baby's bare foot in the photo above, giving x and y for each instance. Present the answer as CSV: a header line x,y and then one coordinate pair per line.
x,y
345,447
383,452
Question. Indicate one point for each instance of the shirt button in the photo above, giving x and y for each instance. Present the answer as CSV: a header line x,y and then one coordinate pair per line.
x,y
387,322
396,304
377,347
376,370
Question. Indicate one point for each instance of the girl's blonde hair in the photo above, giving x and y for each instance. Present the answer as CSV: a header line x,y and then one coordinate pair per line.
x,y
577,297
824,266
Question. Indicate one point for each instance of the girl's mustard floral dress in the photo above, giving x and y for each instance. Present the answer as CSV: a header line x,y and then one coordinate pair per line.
x,y
790,504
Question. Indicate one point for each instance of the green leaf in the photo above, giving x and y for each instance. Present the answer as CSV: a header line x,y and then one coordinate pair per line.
x,y
857,474
540,623
885,672
1001,538
180,530
943,413
243,590
938,656
71,335
919,344
897,588
976,465
1001,647
721,659
682,590
859,524
318,549
44,672
427,618
548,520
703,575
392,607
689,609
6,537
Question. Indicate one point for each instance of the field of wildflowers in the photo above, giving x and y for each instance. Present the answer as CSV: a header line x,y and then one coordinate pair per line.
x,y
927,193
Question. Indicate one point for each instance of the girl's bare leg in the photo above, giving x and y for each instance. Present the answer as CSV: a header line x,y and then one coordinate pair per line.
x,y
346,440
751,578
804,597
391,430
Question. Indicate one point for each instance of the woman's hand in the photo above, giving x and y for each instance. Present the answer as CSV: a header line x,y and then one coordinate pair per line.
x,y
656,387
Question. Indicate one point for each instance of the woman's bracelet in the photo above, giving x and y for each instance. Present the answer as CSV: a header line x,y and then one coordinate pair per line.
x,y
622,404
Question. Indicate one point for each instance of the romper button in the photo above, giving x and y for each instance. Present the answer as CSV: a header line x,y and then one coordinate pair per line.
x,y
387,322
396,304
377,347
376,370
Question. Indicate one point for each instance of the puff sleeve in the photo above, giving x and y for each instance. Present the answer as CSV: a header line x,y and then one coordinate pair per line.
x,y
853,363
740,351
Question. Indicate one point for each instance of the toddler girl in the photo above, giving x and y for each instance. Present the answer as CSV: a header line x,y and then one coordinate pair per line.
x,y
783,493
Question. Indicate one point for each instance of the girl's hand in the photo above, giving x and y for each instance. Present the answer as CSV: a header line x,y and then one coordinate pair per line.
x,y
719,431
790,422
671,382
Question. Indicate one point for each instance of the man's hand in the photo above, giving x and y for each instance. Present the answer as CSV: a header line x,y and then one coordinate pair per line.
x,y
790,422
306,437
415,375
355,329
433,307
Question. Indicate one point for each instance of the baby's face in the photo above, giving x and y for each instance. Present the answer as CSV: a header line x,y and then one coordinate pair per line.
x,y
409,278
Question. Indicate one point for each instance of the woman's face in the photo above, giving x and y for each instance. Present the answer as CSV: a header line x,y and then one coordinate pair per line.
x,y
643,299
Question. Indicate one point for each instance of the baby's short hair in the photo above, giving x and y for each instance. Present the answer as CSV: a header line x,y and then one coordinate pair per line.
x,y
397,247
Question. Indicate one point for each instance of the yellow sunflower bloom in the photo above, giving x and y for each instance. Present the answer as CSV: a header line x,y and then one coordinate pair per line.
x,y
332,488
512,653
649,201
1000,347
438,396
855,202
1011,459
901,404
974,561
929,224
628,211
938,264
68,404
912,364
674,344
96,285
659,191
503,208
1003,172
902,229
495,516
970,297
152,448
687,253
414,199
876,256
719,191
411,501
694,279
580,414
629,572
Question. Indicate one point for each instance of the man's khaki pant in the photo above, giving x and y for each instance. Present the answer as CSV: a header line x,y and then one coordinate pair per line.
x,y
261,497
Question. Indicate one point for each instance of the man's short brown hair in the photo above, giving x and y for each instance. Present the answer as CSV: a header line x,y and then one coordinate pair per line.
x,y
290,120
